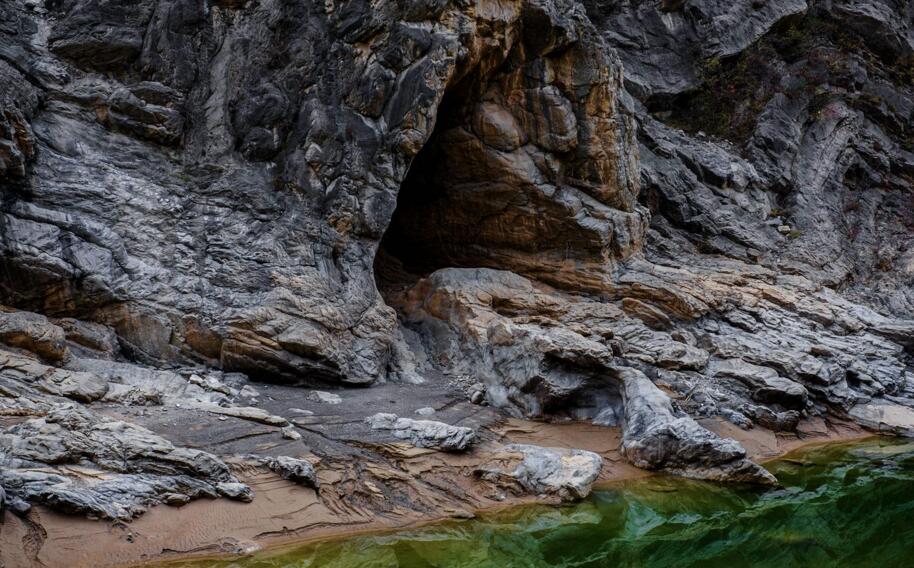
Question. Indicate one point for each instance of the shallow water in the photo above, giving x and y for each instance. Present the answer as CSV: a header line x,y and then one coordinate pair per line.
x,y
849,505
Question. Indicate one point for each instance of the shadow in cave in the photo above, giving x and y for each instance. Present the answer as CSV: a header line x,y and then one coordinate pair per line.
x,y
436,222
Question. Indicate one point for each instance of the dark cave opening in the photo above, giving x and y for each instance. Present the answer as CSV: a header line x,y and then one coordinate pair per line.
x,y
452,205
411,247
477,196
514,177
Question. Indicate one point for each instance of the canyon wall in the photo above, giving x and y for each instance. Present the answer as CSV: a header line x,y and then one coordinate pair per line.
x,y
644,215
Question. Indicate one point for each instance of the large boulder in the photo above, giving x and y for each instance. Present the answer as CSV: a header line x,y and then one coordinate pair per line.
x,y
567,473
424,433
655,437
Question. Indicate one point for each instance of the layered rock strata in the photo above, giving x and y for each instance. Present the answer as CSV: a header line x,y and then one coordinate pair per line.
x,y
643,215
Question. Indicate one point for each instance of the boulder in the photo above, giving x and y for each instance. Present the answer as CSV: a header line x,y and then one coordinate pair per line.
x,y
424,433
567,473
324,397
293,469
885,417
656,438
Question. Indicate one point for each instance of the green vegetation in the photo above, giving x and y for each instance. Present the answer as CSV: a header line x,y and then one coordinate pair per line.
x,y
820,54
712,67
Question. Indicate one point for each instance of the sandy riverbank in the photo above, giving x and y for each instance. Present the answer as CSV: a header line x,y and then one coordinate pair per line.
x,y
283,513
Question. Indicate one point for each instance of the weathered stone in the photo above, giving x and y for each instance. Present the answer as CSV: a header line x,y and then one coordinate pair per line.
x,y
765,383
33,332
325,397
289,433
295,470
564,472
140,468
235,490
75,385
243,412
885,417
424,433
655,438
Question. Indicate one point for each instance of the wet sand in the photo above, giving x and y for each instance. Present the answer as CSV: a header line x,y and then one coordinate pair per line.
x,y
436,486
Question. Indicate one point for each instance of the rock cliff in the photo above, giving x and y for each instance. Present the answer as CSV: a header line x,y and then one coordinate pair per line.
x,y
643,215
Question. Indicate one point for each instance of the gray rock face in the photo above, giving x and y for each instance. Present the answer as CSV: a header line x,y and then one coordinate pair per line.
x,y
663,47
20,375
532,367
216,200
764,383
293,469
632,213
424,433
124,468
553,471
655,438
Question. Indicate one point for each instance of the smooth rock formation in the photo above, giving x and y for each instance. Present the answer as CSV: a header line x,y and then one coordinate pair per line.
x,y
655,438
885,417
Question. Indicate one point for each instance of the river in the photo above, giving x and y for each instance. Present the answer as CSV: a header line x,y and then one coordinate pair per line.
x,y
840,505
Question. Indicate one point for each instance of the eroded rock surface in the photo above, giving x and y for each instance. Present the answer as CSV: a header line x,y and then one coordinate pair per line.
x,y
560,471
655,438
642,215
122,469
424,433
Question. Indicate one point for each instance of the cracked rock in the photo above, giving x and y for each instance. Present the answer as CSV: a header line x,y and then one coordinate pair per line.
x,y
424,433
567,473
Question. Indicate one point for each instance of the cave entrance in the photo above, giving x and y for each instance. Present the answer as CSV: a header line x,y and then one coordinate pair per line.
x,y
460,204
479,195
417,242
525,171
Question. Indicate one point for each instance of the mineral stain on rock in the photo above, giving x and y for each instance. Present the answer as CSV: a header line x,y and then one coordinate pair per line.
x,y
373,264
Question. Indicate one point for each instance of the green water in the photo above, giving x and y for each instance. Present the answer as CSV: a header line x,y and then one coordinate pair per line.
x,y
849,505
